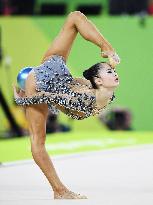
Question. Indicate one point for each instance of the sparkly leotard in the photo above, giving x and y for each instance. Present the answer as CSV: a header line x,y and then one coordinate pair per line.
x,y
60,91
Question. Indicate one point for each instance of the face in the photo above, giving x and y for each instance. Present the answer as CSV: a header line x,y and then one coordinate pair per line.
x,y
107,76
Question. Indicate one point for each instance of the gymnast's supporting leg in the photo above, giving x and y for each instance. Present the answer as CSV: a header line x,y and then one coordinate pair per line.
x,y
36,116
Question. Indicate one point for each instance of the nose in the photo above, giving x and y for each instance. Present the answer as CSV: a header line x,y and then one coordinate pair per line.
x,y
116,76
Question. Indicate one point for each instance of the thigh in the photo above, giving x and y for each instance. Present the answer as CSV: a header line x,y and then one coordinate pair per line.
x,y
62,44
36,116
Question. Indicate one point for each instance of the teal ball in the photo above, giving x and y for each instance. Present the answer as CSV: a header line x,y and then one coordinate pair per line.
x,y
22,75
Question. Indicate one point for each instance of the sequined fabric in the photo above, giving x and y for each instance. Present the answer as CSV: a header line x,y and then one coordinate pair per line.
x,y
55,86
50,72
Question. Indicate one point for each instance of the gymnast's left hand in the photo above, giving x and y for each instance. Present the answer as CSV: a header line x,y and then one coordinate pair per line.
x,y
18,93
114,59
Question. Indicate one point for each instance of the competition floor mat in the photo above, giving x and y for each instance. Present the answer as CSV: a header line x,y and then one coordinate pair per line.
x,y
116,176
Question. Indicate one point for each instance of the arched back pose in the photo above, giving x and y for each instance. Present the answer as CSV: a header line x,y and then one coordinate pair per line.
x,y
51,85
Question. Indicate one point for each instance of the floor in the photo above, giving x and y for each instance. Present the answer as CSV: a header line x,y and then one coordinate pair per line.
x,y
111,177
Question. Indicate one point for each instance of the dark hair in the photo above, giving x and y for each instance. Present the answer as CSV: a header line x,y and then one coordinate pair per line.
x,y
92,72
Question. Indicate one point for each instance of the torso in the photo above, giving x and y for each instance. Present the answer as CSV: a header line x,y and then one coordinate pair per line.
x,y
80,85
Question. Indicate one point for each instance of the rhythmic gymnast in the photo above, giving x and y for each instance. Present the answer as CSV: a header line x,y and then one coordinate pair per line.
x,y
51,86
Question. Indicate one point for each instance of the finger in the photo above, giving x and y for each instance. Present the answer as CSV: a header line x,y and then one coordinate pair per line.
x,y
13,85
21,93
16,95
116,58
15,89
104,54
112,62
116,61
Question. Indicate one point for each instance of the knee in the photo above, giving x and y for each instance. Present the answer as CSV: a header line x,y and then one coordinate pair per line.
x,y
37,149
76,15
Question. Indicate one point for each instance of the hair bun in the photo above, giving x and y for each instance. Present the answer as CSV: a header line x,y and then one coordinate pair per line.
x,y
86,74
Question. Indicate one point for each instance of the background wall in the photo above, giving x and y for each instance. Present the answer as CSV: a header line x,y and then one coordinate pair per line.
x,y
26,39
72,5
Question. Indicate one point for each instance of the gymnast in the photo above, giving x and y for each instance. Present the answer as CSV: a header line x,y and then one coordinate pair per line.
x,y
51,86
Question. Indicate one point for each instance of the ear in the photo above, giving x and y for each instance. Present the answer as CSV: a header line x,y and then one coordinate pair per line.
x,y
98,81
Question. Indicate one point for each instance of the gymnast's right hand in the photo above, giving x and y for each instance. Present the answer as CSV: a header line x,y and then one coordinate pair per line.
x,y
18,93
114,59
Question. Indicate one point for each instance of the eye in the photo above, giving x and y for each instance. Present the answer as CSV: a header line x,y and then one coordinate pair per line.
x,y
109,72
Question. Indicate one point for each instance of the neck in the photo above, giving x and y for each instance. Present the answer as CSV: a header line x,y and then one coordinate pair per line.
x,y
103,95
106,91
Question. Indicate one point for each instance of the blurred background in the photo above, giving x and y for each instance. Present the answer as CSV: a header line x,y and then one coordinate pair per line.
x,y
27,29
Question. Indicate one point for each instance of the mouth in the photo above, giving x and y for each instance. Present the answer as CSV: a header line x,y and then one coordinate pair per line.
x,y
117,79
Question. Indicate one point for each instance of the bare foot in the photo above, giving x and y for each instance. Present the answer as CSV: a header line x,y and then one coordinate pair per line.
x,y
68,195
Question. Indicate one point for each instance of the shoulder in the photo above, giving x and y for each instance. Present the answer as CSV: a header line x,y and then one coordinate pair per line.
x,y
82,81
83,88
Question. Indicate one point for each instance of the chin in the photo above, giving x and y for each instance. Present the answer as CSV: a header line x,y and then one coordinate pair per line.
x,y
114,85
117,84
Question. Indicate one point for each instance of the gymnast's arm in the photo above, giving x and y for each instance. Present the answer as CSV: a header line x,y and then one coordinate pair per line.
x,y
76,22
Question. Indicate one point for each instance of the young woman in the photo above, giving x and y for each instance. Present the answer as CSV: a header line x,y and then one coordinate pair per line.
x,y
51,86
